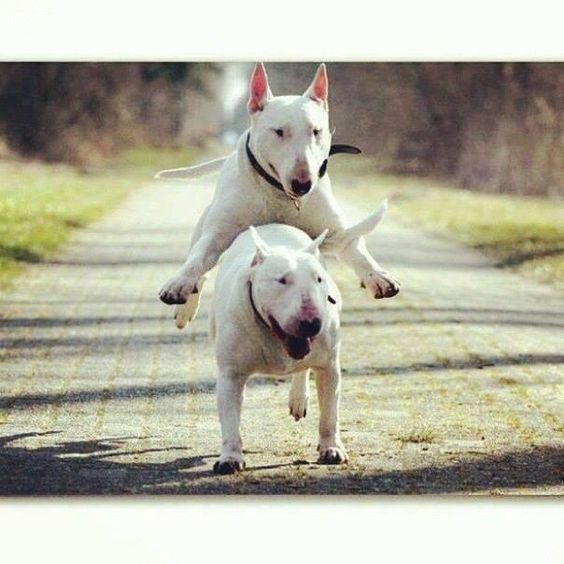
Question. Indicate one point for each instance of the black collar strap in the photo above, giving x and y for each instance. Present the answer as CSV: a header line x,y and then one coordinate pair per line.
x,y
256,165
334,150
255,307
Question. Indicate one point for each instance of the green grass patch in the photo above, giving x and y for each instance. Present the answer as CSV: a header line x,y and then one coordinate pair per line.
x,y
40,204
522,233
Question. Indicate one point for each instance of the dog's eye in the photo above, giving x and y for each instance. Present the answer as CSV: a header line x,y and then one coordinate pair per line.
x,y
319,279
316,132
282,280
279,132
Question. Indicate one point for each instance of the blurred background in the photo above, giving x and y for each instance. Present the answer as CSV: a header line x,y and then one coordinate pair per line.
x,y
496,127
75,137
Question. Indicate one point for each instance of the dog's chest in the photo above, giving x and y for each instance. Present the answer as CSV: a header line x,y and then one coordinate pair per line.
x,y
282,212
280,364
307,217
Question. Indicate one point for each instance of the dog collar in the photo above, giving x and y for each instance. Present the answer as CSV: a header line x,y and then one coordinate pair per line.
x,y
334,150
257,313
256,165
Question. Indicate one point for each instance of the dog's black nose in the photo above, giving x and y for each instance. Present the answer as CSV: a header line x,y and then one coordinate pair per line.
x,y
301,188
310,328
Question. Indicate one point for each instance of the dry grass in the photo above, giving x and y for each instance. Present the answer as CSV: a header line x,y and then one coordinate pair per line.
x,y
418,436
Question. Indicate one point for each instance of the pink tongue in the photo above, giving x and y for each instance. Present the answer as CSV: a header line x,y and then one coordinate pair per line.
x,y
297,348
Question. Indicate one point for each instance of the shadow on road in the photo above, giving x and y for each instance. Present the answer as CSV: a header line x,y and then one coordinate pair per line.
x,y
351,317
12,323
105,342
451,315
85,468
469,363
59,470
170,389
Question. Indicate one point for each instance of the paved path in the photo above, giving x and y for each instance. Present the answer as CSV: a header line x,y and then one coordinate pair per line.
x,y
455,386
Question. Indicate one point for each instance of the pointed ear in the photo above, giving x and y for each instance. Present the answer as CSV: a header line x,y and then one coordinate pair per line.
x,y
319,89
259,90
313,247
262,248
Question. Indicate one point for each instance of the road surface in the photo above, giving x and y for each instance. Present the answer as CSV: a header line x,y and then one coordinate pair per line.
x,y
455,386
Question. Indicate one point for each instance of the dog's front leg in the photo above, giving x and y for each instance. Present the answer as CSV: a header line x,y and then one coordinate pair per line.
x,y
299,395
331,450
230,391
373,277
203,256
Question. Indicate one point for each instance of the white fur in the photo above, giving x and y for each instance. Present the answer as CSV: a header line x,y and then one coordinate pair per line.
x,y
243,198
289,285
245,345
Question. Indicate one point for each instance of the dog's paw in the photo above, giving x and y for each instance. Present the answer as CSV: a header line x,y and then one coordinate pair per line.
x,y
177,290
332,455
380,285
298,402
229,464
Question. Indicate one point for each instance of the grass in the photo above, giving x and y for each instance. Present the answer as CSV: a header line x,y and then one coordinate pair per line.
x,y
522,233
417,436
40,204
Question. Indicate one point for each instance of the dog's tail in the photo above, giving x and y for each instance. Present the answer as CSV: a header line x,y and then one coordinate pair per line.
x,y
192,172
340,240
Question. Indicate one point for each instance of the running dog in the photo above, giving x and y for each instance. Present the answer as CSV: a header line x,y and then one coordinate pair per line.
x,y
275,310
277,174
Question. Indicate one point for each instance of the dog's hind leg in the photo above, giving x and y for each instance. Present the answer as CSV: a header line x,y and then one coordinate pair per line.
x,y
185,313
299,395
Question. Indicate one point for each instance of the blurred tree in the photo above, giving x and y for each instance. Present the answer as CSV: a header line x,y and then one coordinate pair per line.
x,y
491,126
76,112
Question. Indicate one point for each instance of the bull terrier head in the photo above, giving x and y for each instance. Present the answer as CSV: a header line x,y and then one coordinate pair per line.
x,y
290,135
291,293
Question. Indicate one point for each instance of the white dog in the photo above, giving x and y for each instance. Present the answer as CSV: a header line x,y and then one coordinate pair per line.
x,y
277,174
276,311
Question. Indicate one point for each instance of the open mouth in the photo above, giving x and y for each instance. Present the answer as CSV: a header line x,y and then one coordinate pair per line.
x,y
296,347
